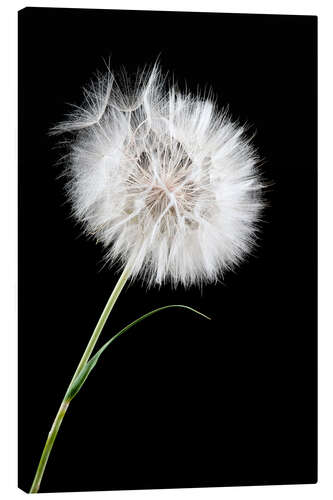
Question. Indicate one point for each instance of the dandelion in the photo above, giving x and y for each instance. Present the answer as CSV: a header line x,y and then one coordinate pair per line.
x,y
163,180
169,185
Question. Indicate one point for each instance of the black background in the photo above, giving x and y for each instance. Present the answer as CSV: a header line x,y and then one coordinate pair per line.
x,y
178,401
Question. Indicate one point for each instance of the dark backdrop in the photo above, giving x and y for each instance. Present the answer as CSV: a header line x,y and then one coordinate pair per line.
x,y
178,401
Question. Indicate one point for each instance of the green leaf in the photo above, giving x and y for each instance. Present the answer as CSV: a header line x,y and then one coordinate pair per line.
x,y
82,376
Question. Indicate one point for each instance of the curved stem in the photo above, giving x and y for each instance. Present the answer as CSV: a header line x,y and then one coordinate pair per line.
x,y
86,355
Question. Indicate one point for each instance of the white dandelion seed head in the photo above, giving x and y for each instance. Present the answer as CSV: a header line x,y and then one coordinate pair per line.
x,y
162,179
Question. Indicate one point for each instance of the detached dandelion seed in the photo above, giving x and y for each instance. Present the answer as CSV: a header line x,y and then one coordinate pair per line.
x,y
169,185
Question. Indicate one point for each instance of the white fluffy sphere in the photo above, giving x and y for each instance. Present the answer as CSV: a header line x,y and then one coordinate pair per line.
x,y
162,179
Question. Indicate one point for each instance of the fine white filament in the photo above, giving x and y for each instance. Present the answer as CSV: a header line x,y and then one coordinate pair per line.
x,y
162,179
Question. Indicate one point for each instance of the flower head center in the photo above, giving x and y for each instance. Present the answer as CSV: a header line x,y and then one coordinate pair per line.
x,y
162,188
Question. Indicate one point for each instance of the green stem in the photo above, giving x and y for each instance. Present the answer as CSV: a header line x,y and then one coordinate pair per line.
x,y
86,355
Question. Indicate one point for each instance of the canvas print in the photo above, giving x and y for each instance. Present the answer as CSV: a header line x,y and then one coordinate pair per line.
x,y
167,250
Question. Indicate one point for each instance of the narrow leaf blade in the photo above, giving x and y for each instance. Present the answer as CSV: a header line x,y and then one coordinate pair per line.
x,y
84,373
